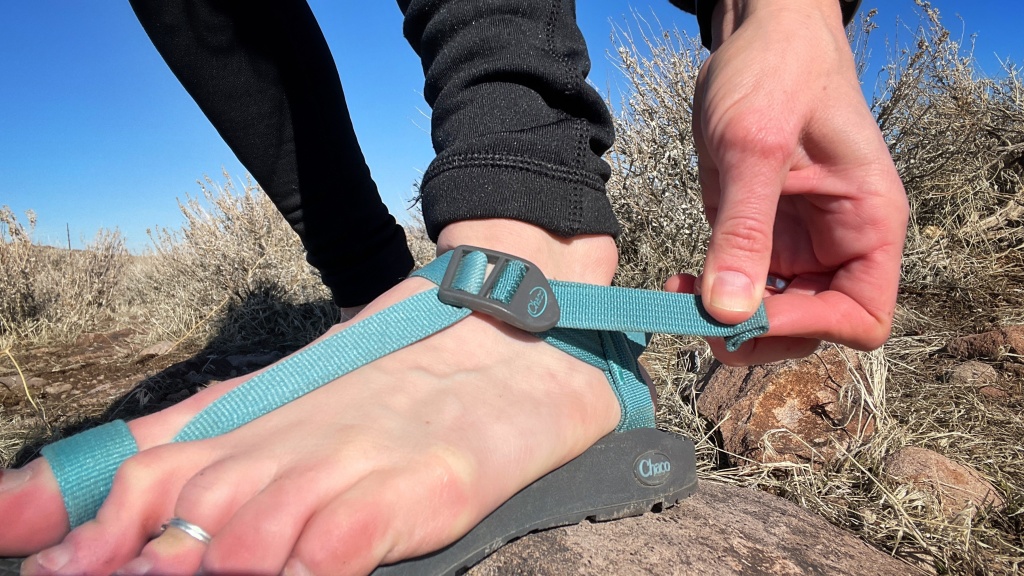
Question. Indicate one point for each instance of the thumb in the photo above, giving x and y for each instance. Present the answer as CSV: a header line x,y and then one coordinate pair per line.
x,y
739,253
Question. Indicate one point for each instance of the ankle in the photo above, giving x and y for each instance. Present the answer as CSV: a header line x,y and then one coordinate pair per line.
x,y
587,258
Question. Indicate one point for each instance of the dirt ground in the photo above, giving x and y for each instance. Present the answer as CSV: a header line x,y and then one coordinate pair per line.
x,y
103,376
120,373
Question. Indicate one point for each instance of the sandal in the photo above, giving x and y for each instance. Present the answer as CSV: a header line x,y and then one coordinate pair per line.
x,y
630,471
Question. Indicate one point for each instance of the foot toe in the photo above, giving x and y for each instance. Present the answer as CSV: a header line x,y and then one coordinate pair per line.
x,y
32,508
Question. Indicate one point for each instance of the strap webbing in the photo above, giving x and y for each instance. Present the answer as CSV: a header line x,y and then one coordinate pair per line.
x,y
84,465
389,330
591,326
590,307
375,337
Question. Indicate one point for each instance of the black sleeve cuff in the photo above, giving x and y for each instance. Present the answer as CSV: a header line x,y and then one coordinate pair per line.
x,y
705,8
687,5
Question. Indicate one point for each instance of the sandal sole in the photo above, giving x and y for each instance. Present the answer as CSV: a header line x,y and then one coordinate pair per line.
x,y
624,474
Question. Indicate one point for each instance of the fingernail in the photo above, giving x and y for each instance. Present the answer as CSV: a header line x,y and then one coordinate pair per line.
x,y
296,568
732,291
136,567
11,479
55,558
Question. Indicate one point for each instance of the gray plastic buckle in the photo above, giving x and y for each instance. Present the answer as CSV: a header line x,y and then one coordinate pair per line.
x,y
532,308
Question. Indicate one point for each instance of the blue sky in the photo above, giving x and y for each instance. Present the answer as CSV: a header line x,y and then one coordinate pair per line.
x,y
95,132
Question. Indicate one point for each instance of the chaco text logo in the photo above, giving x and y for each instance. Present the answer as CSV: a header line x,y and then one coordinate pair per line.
x,y
652,468
538,301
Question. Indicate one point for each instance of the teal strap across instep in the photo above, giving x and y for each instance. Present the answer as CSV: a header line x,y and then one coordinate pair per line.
x,y
590,328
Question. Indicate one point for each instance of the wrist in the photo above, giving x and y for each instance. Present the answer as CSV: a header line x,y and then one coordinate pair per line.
x,y
727,16
589,258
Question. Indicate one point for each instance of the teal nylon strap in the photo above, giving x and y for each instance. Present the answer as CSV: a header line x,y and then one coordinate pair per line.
x,y
590,307
84,465
387,331
585,306
593,319
623,372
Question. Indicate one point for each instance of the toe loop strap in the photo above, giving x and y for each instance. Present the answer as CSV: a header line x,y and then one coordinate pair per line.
x,y
85,464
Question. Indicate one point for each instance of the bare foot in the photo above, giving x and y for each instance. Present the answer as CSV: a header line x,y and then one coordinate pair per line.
x,y
394,460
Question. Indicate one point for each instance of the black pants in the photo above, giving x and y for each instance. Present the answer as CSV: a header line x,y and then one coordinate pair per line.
x,y
518,132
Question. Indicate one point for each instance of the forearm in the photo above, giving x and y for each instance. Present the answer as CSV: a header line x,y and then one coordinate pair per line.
x,y
729,15
706,10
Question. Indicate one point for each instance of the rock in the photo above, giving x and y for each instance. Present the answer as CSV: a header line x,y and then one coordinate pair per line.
x,y
806,410
720,530
57,389
158,349
14,384
956,487
98,348
973,373
1015,339
91,339
991,345
993,392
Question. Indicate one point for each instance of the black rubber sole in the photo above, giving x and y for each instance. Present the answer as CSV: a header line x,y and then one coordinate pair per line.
x,y
623,474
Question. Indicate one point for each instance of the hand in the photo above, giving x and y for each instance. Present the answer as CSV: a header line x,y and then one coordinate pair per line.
x,y
797,182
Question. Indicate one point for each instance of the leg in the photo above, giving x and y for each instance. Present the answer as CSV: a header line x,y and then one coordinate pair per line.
x,y
324,482
262,73
536,156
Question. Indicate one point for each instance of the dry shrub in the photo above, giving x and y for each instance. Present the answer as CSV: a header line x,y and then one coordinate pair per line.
x,y
654,188
421,246
48,293
957,137
958,140
234,271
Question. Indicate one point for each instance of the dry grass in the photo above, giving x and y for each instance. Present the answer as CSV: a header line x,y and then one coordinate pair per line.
x,y
423,249
235,272
49,294
234,277
654,188
958,140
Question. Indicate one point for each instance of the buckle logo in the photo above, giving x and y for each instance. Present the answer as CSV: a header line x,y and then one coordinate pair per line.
x,y
538,301
652,468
